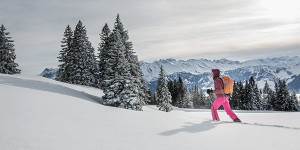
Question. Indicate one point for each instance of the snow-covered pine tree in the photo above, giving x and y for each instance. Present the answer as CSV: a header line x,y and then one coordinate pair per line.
x,y
136,72
134,65
82,58
295,101
164,98
281,96
173,88
267,95
234,100
187,98
196,97
246,101
92,65
289,103
273,95
204,103
181,100
63,74
7,53
121,87
255,98
241,94
106,71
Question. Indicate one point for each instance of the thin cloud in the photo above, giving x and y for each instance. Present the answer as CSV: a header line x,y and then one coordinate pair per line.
x,y
238,29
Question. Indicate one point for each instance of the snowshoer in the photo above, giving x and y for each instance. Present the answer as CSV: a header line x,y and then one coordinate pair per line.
x,y
221,98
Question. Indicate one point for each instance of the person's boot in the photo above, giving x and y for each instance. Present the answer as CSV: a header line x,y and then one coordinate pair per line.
x,y
237,120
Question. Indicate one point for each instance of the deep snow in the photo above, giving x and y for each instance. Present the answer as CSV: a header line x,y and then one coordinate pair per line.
x,y
38,113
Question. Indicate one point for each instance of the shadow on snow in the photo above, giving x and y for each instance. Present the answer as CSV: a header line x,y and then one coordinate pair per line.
x,y
208,125
45,86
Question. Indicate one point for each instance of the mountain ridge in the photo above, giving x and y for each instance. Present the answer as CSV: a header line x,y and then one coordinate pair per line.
x,y
268,69
197,71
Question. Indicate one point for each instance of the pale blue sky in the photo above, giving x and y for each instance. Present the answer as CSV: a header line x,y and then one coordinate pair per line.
x,y
181,29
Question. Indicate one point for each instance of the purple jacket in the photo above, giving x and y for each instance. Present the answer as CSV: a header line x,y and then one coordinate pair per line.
x,y
218,83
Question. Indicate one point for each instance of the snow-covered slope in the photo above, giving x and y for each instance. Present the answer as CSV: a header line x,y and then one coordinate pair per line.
x,y
41,114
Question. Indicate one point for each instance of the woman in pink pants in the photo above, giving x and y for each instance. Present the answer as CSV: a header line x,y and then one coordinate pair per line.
x,y
221,99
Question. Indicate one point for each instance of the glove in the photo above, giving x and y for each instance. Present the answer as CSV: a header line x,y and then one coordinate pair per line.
x,y
209,91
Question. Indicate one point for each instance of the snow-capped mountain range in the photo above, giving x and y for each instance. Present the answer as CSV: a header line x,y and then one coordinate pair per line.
x,y
197,71
49,73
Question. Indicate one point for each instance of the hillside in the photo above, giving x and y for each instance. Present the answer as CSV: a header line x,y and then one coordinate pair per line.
x,y
38,113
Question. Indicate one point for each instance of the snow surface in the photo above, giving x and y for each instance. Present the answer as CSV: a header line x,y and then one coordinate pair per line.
x,y
38,113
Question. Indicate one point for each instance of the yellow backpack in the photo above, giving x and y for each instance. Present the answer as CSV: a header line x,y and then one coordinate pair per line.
x,y
228,85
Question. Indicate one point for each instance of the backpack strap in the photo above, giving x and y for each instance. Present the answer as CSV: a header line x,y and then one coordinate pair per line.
x,y
223,86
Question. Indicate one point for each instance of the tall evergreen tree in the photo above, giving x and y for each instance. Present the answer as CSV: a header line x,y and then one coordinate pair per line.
x,y
123,83
63,74
281,96
187,98
295,103
284,101
7,53
196,97
181,99
234,99
82,58
246,101
164,98
173,88
241,94
134,66
255,98
105,71
267,96
204,102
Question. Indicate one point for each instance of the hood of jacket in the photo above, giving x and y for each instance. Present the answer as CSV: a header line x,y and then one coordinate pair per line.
x,y
216,73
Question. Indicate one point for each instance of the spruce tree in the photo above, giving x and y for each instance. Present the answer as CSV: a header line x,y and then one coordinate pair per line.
x,y
82,58
289,102
196,97
294,99
164,98
134,66
282,96
63,74
234,99
204,103
174,92
181,99
267,96
105,71
246,101
123,82
255,98
7,53
240,94
187,98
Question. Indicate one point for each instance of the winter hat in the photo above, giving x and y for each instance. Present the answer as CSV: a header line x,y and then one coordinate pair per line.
x,y
216,73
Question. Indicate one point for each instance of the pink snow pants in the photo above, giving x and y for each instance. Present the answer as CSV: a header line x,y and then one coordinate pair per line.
x,y
217,103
